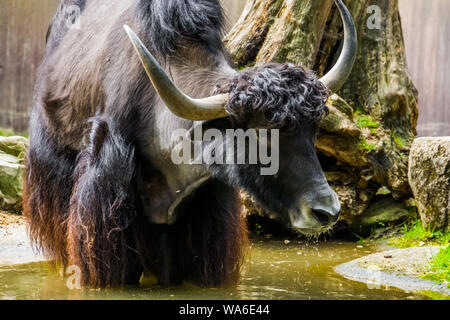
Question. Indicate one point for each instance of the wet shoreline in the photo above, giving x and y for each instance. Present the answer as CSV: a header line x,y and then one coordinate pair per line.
x,y
399,268
15,245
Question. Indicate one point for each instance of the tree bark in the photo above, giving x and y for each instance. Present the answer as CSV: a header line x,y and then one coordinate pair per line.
x,y
365,140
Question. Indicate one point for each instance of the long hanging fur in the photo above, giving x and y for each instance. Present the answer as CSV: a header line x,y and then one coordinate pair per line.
x,y
102,209
104,234
206,245
47,189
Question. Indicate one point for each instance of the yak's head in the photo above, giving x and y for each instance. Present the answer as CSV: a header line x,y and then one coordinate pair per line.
x,y
273,96
290,100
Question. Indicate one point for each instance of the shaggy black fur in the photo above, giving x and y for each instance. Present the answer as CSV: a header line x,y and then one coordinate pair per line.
x,y
170,23
281,96
102,206
49,167
206,245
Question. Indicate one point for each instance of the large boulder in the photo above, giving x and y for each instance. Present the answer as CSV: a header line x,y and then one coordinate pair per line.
x,y
429,177
12,154
382,212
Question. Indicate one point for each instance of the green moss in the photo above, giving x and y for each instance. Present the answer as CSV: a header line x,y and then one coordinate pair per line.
x,y
412,233
416,234
440,267
366,121
398,140
364,145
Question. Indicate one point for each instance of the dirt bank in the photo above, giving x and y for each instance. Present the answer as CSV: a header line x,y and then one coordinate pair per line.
x,y
15,247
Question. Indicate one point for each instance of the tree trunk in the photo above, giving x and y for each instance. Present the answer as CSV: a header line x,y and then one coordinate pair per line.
x,y
365,140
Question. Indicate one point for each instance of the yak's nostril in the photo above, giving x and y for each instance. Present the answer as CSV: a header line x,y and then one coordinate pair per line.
x,y
322,216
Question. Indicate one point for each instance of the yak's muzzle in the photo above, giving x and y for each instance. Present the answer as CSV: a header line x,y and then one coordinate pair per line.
x,y
317,211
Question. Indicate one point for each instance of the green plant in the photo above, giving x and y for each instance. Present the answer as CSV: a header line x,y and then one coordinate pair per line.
x,y
440,267
399,140
366,121
364,145
416,234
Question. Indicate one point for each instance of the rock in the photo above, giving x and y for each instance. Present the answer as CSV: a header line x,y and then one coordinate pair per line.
x,y
383,211
400,268
429,177
12,154
15,146
383,191
354,192
358,140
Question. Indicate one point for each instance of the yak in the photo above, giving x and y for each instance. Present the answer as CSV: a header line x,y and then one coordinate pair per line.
x,y
101,191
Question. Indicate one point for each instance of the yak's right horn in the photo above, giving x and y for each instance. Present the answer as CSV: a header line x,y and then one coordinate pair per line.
x,y
179,103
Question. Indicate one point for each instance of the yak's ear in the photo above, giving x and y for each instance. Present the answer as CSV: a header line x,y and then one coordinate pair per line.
x,y
221,124
98,133
47,36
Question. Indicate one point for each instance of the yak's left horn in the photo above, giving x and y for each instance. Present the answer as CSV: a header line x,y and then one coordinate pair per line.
x,y
179,103
336,77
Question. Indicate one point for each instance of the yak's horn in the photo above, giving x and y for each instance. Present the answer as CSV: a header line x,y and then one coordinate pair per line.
x,y
336,77
178,102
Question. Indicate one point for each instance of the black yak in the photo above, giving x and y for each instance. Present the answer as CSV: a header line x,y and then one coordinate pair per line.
x,y
101,191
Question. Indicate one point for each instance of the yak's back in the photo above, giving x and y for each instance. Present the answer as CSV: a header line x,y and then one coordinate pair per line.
x,y
67,11
167,22
90,65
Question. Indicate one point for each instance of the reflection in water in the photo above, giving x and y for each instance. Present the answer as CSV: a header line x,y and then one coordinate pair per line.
x,y
274,270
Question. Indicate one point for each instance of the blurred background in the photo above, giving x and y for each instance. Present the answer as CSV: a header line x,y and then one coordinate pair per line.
x,y
426,26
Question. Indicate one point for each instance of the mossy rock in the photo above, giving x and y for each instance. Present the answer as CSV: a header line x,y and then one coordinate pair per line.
x,y
15,146
12,155
382,212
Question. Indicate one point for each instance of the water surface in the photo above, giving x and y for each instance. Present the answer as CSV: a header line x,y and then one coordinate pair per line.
x,y
275,269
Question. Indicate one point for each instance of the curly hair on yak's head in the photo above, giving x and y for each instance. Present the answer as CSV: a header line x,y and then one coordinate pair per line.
x,y
276,96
